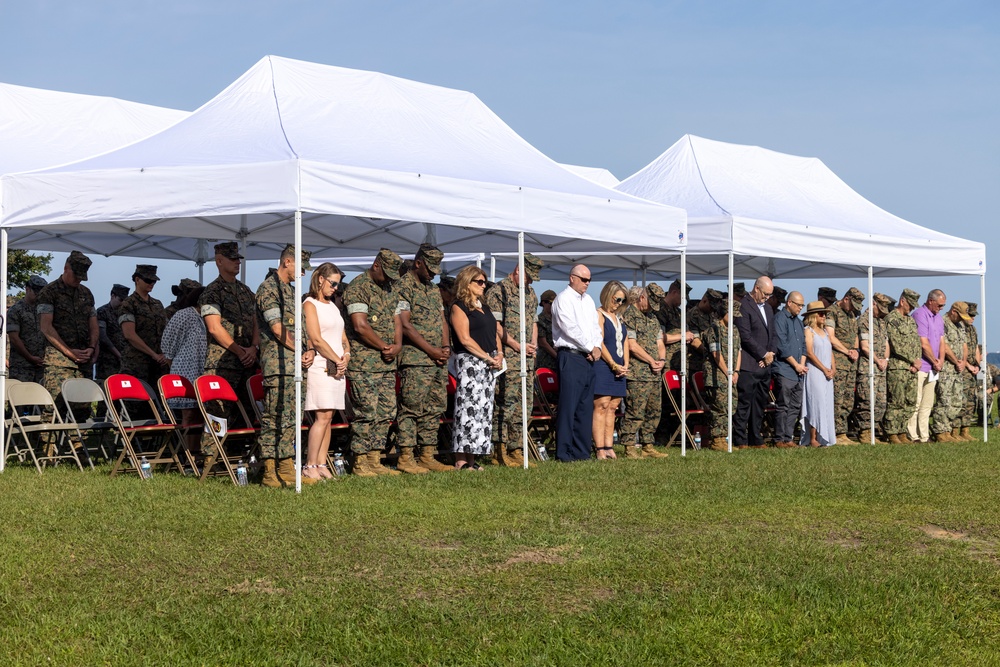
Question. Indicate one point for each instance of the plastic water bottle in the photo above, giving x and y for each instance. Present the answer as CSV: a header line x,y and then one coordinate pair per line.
x,y
339,466
697,440
542,453
145,470
614,436
241,474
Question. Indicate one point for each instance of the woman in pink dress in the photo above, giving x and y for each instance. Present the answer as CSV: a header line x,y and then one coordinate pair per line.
x,y
325,381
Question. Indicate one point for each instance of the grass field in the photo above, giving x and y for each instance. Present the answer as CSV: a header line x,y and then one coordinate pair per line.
x,y
859,555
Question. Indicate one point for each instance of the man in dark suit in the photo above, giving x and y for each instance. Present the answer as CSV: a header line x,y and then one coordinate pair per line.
x,y
758,342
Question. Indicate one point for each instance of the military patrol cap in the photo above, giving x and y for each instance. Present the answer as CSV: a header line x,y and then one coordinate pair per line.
x,y
973,309
79,264
655,294
736,310
147,272
432,257
532,266
739,290
120,291
857,297
713,295
677,285
962,308
827,293
447,282
911,298
185,285
883,302
547,295
289,251
228,249
780,293
391,262
37,282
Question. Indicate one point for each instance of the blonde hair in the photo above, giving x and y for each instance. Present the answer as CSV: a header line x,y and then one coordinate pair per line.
x,y
324,270
810,319
608,294
462,280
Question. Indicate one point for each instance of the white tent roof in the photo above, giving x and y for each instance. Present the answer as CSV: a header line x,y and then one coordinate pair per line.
x,y
371,160
44,128
595,174
784,215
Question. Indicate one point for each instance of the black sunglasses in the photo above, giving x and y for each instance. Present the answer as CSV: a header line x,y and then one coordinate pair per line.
x,y
481,281
619,300
148,282
580,278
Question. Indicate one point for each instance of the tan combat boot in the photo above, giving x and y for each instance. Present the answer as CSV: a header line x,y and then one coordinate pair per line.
x,y
648,452
428,461
286,473
360,468
270,479
633,452
375,464
865,437
894,439
943,437
719,445
905,438
515,459
408,464
966,435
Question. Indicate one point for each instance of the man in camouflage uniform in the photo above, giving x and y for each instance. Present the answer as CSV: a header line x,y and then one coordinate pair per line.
x,y
700,318
230,315
27,344
504,301
275,301
717,376
669,316
971,415
902,367
842,325
142,321
546,357
68,320
112,342
643,401
950,389
376,337
180,290
876,341
777,299
423,363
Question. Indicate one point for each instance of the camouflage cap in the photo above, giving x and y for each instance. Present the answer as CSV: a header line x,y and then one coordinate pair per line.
x,y
962,308
37,282
655,294
857,298
228,249
532,266
547,296
120,291
739,290
431,256
973,308
147,272
447,282
290,252
910,297
736,310
779,293
827,293
184,286
713,295
391,263
677,285
882,302
79,264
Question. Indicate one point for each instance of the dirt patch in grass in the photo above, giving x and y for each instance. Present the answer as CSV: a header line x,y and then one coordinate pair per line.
x,y
247,587
939,533
550,556
980,549
845,542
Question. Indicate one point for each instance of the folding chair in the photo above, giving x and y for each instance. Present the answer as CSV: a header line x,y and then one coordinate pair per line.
x,y
216,388
42,437
542,422
150,438
8,414
178,386
82,390
672,381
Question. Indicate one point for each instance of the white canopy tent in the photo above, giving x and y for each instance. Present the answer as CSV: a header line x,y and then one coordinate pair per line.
x,y
753,212
596,174
335,159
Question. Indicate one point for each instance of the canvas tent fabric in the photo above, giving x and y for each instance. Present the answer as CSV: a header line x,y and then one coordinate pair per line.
x,y
595,174
369,159
789,216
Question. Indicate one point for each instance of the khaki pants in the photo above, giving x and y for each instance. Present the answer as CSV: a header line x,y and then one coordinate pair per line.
x,y
918,428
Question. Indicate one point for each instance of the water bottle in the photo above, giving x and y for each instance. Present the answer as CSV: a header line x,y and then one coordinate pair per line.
x,y
542,454
614,436
241,474
145,470
339,466
697,440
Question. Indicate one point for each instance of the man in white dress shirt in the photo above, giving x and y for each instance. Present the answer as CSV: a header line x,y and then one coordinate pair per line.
x,y
577,340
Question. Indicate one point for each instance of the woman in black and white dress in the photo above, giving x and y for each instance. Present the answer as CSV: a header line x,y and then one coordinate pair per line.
x,y
476,343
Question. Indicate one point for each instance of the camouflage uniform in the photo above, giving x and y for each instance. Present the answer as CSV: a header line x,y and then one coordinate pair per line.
x,y
372,381
973,388
149,319
716,339
107,321
542,358
670,322
72,309
423,394
949,392
22,319
876,346
900,382
845,326
503,300
276,302
642,401
698,322
235,304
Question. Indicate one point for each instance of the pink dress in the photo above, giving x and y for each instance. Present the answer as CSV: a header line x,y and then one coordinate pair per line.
x,y
323,392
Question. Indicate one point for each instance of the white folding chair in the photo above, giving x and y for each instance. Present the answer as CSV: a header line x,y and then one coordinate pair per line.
x,y
82,390
46,438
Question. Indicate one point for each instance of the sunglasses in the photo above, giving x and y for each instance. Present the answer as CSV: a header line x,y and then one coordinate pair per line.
x,y
148,282
332,284
619,300
481,281
583,280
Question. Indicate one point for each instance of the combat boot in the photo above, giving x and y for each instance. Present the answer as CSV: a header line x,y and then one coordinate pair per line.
x,y
375,464
270,479
719,445
633,452
286,473
865,437
360,468
966,435
515,459
408,464
894,439
648,452
428,461
905,438
943,437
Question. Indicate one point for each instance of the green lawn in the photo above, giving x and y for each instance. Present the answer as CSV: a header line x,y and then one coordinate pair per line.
x,y
858,555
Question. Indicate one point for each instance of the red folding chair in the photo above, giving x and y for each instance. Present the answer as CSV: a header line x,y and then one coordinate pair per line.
x,y
672,381
542,422
150,438
178,386
216,388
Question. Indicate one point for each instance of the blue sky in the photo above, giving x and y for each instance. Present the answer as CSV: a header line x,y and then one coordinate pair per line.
x,y
900,99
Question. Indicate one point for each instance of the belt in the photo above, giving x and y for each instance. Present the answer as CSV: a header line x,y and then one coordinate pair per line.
x,y
572,350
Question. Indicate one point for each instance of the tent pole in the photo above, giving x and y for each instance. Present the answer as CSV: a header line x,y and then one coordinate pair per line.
x,y
683,353
493,269
982,342
243,243
871,356
729,362
201,272
298,351
3,343
523,349
479,261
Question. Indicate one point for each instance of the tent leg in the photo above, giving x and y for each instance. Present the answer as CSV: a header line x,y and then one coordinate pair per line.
x,y
871,356
298,351
684,431
3,345
729,362
982,341
524,340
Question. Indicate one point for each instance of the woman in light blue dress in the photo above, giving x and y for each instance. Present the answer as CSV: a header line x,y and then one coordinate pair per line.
x,y
818,425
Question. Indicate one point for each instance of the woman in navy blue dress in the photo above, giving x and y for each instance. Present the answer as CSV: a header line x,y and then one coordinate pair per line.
x,y
610,370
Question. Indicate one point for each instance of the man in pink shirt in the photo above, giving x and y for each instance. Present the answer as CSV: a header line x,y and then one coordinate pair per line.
x,y
930,327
